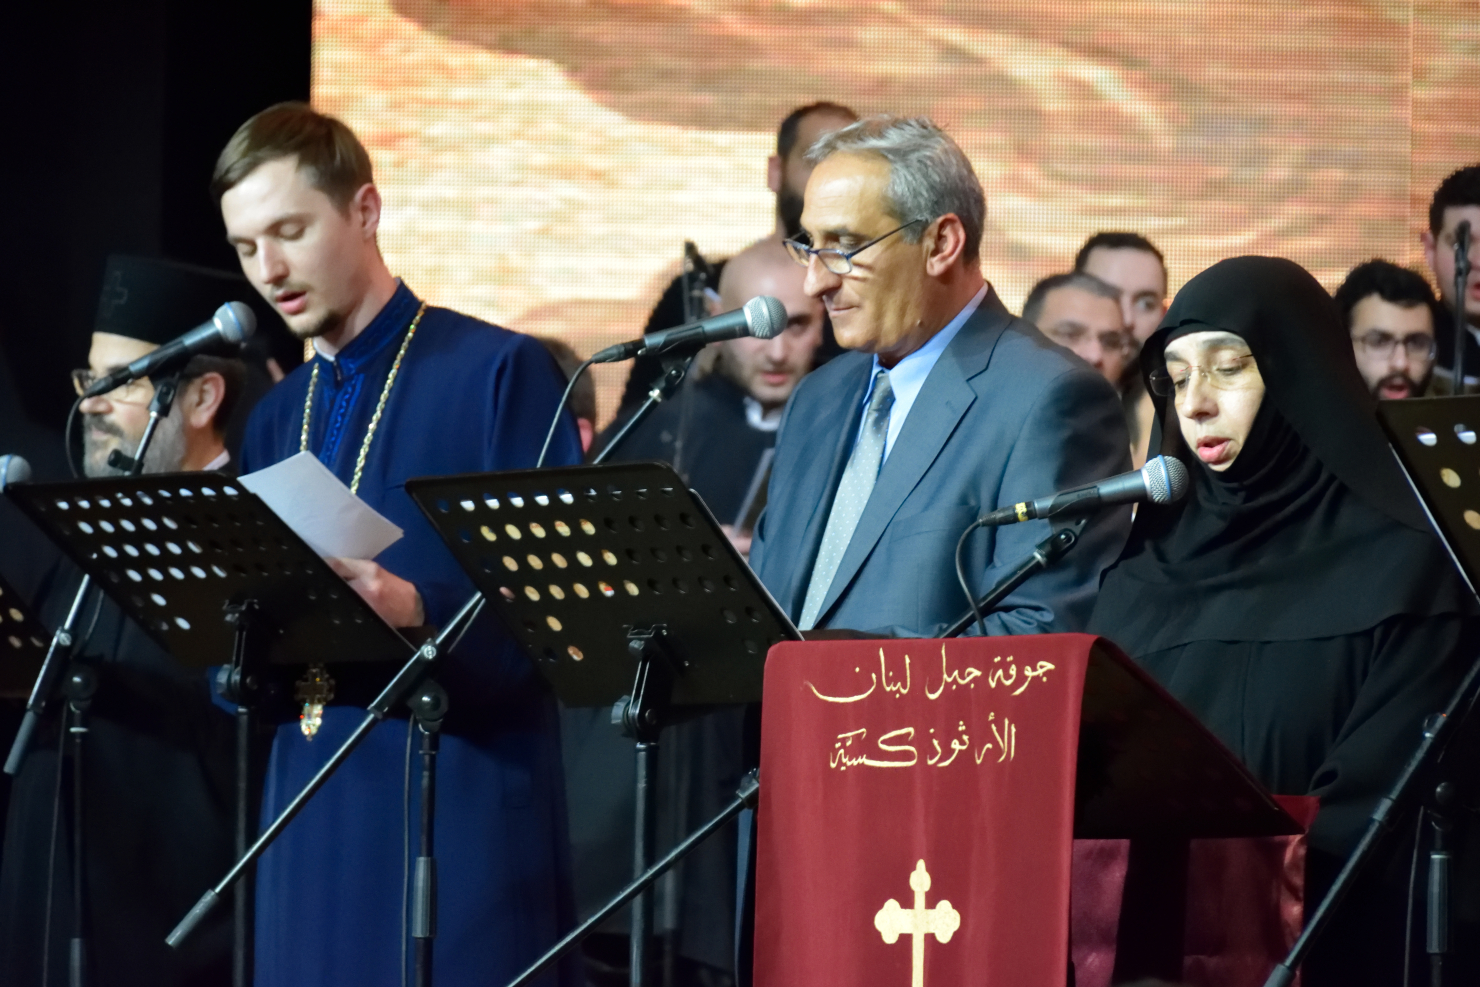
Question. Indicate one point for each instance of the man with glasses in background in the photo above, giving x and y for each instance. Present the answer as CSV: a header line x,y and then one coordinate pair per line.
x,y
1390,313
160,755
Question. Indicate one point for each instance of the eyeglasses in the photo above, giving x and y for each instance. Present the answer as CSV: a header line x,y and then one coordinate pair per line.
x,y
838,261
134,392
1110,341
1419,345
1228,374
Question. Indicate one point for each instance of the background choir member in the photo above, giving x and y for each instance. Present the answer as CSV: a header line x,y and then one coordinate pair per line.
x,y
1082,314
1297,600
1390,314
786,176
1456,200
948,407
1134,265
159,768
396,389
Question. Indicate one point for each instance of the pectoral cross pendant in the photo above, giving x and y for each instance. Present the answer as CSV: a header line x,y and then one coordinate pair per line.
x,y
315,690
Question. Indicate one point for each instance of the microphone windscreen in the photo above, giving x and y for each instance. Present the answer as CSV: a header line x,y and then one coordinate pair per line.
x,y
236,321
14,469
1166,479
765,316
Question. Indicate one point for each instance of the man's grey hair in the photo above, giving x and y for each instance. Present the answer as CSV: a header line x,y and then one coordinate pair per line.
x,y
1033,307
929,176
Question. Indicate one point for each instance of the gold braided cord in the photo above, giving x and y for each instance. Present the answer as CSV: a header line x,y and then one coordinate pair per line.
x,y
313,384
385,393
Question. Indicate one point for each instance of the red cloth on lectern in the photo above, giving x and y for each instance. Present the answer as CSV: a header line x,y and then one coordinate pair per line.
x,y
877,755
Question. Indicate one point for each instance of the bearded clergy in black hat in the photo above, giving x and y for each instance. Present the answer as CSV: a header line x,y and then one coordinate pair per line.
x,y
146,303
1298,601
159,766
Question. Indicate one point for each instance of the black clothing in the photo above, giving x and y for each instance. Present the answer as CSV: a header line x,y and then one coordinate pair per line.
x,y
704,432
1444,354
1298,602
159,778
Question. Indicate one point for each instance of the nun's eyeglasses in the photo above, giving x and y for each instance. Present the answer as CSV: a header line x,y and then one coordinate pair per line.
x,y
1226,375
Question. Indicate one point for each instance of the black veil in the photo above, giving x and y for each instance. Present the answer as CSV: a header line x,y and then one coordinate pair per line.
x,y
1313,531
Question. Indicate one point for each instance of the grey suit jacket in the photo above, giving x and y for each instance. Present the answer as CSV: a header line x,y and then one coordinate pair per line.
x,y
1004,416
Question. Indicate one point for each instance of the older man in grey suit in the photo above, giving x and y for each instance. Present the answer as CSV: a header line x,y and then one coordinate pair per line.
x,y
947,408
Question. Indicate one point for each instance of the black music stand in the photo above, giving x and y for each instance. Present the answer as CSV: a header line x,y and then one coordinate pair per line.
x,y
23,643
215,578
619,584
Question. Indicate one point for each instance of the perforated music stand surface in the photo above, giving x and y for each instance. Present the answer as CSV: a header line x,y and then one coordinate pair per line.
x,y
23,642
174,549
572,558
1438,442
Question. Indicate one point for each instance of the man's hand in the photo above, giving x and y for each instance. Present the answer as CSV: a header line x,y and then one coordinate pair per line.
x,y
396,600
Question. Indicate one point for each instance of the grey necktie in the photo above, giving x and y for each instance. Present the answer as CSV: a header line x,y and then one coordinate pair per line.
x,y
853,493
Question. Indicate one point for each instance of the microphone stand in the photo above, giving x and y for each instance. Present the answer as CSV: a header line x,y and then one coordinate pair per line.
x,y
674,370
1044,554
746,797
428,710
79,688
1461,279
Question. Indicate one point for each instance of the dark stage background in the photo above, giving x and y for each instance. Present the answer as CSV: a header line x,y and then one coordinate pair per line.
x,y
114,115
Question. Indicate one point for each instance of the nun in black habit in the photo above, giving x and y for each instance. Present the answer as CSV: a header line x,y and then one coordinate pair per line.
x,y
1297,601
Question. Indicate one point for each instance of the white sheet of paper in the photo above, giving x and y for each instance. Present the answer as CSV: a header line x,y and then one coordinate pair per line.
x,y
321,510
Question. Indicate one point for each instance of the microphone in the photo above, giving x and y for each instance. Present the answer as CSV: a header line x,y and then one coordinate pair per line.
x,y
761,317
232,323
1162,480
14,469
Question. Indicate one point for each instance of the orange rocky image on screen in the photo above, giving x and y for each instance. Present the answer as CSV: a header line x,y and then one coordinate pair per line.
x,y
543,162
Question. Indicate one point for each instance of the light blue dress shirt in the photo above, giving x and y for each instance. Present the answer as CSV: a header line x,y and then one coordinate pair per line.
x,y
908,375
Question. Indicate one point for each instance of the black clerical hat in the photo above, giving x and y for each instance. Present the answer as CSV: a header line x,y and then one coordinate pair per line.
x,y
156,300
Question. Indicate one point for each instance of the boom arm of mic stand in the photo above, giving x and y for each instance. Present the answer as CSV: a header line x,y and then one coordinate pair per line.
x,y
673,374
1045,554
745,798
395,692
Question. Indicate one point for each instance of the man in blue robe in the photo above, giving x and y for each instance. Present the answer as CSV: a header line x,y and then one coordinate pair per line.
x,y
395,390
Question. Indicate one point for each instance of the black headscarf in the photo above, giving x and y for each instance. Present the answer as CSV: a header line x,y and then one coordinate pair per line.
x,y
1313,531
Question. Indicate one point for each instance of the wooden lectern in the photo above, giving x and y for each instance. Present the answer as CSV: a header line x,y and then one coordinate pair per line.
x,y
920,801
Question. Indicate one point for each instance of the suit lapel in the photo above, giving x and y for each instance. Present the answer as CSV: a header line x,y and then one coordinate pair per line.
x,y
943,400
822,470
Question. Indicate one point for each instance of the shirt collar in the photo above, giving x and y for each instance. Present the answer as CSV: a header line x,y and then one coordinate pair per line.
x,y
907,377
219,462
910,373
388,324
